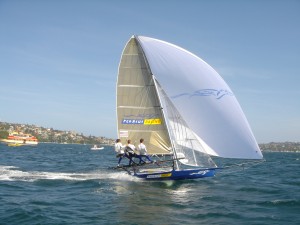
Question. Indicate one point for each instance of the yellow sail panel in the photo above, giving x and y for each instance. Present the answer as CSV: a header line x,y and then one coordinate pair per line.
x,y
152,121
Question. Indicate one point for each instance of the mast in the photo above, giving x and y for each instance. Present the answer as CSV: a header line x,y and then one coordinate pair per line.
x,y
159,99
155,85
167,124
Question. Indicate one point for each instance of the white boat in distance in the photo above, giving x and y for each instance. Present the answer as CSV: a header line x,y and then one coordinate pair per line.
x,y
181,107
95,147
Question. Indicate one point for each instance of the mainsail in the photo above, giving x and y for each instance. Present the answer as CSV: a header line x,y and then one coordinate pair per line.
x,y
179,105
139,113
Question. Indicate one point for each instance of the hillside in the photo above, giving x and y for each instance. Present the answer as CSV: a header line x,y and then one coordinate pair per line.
x,y
58,136
281,146
52,135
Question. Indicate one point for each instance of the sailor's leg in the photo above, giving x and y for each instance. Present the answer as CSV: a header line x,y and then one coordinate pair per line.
x,y
147,157
129,156
140,158
120,158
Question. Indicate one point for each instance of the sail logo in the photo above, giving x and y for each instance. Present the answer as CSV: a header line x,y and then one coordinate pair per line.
x,y
152,121
218,94
132,121
123,133
155,121
201,172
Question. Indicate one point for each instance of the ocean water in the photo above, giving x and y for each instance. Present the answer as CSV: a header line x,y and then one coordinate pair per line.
x,y
70,184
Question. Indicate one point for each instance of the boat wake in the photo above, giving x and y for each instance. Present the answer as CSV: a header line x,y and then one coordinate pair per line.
x,y
12,173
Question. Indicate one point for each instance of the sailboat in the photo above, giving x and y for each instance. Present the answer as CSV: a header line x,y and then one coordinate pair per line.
x,y
182,108
95,147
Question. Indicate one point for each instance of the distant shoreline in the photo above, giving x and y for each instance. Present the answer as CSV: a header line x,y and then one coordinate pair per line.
x,y
50,135
281,147
281,151
43,142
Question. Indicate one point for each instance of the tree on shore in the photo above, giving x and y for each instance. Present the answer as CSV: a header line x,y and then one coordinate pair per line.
x,y
3,134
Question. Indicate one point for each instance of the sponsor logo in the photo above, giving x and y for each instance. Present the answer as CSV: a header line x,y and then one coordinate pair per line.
x,y
159,175
203,172
123,133
152,121
166,175
155,121
132,121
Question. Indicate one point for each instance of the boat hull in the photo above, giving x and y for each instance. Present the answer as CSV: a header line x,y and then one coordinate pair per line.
x,y
14,145
21,142
178,174
95,149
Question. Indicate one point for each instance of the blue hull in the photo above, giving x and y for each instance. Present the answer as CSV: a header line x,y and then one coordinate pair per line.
x,y
178,174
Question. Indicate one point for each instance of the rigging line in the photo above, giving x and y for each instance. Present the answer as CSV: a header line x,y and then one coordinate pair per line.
x,y
149,83
240,166
246,163
164,113
176,124
171,111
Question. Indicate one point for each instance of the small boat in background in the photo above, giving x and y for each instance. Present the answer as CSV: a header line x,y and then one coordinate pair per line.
x,y
95,147
14,144
15,138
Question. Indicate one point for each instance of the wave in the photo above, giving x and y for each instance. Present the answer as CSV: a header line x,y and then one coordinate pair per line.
x,y
281,202
12,173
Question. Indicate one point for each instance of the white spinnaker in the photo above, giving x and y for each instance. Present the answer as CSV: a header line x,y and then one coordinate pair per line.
x,y
203,99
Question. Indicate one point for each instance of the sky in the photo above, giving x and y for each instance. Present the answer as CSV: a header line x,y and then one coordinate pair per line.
x,y
59,59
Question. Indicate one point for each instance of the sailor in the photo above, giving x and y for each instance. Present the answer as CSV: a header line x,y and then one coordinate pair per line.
x,y
142,150
119,149
129,152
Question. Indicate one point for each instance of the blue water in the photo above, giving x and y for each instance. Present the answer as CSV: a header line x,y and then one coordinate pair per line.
x,y
70,184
